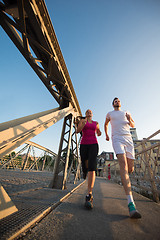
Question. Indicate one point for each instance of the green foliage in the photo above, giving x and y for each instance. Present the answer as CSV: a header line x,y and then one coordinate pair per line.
x,y
13,154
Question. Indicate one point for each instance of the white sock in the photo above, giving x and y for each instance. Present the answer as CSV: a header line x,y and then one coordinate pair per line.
x,y
130,198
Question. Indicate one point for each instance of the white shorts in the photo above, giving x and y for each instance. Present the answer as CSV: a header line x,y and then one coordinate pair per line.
x,y
123,146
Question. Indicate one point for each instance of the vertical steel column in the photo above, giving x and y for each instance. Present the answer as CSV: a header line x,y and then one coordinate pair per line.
x,y
72,167
26,159
71,118
45,156
35,161
55,181
59,181
78,175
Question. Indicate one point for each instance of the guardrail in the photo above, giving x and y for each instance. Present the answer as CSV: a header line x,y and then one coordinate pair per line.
x,y
25,159
146,177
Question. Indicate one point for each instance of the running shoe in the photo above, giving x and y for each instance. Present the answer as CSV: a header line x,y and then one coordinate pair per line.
x,y
89,201
133,213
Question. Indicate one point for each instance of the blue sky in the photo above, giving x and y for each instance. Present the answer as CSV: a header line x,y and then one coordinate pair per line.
x,y
111,48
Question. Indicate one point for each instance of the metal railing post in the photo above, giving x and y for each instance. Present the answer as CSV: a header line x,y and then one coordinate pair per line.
x,y
26,159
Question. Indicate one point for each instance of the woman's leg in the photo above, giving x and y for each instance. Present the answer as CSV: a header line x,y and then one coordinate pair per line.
x,y
91,181
84,161
92,165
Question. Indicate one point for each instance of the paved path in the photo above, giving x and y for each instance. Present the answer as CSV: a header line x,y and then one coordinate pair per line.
x,y
30,193
108,220
69,219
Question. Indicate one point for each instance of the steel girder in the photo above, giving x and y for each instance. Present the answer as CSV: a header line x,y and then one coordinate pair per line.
x,y
41,148
16,132
29,26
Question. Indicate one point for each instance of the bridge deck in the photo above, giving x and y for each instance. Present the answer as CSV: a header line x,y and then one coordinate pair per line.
x,y
70,220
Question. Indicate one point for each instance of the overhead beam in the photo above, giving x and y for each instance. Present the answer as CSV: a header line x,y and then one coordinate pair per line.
x,y
16,132
29,26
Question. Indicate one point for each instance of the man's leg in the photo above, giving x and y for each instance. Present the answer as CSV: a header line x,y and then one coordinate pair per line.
x,y
124,173
127,165
130,163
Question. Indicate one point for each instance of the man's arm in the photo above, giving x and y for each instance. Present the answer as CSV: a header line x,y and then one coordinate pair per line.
x,y
106,128
130,120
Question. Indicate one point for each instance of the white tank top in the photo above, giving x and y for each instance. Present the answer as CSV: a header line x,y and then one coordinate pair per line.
x,y
119,123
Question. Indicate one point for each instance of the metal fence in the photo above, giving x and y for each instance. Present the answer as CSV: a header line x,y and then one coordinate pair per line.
x,y
25,158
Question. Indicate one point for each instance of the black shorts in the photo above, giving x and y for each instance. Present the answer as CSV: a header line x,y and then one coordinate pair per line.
x,y
89,152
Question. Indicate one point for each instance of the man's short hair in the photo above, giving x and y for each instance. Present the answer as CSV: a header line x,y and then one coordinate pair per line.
x,y
114,100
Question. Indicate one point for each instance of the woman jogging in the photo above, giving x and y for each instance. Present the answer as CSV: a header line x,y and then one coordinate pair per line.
x,y
88,152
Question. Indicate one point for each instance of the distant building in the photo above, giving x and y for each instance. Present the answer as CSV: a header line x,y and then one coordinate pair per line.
x,y
106,156
134,134
103,160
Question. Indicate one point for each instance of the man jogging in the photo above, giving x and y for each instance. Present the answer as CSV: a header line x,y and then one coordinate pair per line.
x,y
123,146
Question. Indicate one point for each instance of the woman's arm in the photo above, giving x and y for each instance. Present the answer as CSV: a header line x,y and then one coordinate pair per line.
x,y
81,125
99,133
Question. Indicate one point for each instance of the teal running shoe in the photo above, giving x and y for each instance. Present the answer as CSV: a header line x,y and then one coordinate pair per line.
x,y
89,201
133,213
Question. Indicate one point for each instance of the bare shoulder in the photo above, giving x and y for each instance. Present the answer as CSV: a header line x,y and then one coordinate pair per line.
x,y
108,116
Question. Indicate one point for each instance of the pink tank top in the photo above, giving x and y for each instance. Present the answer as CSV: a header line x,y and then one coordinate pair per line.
x,y
88,133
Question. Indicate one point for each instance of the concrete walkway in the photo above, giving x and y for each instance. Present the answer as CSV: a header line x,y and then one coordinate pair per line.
x,y
29,192
61,214
108,220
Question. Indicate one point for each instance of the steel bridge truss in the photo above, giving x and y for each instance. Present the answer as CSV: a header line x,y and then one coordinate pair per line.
x,y
68,150
47,158
28,25
13,162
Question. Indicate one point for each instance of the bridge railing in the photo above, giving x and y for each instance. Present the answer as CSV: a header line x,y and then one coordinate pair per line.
x,y
146,176
25,159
